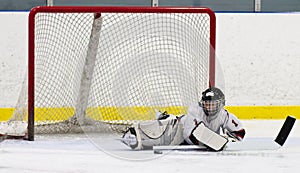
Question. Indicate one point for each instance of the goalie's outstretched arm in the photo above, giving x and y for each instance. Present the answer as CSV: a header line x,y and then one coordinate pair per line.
x,y
233,128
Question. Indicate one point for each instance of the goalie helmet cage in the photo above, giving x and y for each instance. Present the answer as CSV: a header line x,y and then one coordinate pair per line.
x,y
110,66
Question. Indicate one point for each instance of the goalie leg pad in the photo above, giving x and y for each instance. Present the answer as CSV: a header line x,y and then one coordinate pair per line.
x,y
157,132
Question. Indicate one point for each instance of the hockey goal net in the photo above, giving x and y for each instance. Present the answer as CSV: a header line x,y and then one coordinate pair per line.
x,y
102,68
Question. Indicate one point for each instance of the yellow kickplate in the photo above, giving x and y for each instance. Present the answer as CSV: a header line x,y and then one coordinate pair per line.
x,y
144,113
264,112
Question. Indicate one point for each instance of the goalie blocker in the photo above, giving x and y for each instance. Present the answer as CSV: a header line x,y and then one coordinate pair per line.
x,y
209,138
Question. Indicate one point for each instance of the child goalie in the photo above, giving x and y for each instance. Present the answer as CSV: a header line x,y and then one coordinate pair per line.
x,y
203,120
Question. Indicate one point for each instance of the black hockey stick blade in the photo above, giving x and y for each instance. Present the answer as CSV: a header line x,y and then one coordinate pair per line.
x,y
285,130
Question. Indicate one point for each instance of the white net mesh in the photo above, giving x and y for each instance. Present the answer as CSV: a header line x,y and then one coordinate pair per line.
x,y
144,62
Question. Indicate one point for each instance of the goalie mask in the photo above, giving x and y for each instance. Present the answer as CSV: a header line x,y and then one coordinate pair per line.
x,y
212,101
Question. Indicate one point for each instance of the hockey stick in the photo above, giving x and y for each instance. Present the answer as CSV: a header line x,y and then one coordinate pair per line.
x,y
241,146
285,130
266,145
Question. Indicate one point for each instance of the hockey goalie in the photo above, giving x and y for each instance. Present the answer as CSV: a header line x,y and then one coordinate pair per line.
x,y
206,124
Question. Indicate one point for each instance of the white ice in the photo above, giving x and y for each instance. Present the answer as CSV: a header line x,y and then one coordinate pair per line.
x,y
84,153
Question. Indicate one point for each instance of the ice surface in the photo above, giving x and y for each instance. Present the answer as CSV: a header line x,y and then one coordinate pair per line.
x,y
105,153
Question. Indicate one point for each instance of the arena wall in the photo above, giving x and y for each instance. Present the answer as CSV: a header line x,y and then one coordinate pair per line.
x,y
257,54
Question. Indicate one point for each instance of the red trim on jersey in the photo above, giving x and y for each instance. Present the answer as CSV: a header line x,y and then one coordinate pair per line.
x,y
235,124
240,134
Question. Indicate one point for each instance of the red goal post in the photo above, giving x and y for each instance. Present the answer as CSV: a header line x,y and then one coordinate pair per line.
x,y
33,42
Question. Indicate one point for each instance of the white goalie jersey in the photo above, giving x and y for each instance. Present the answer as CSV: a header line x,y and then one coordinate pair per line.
x,y
222,122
